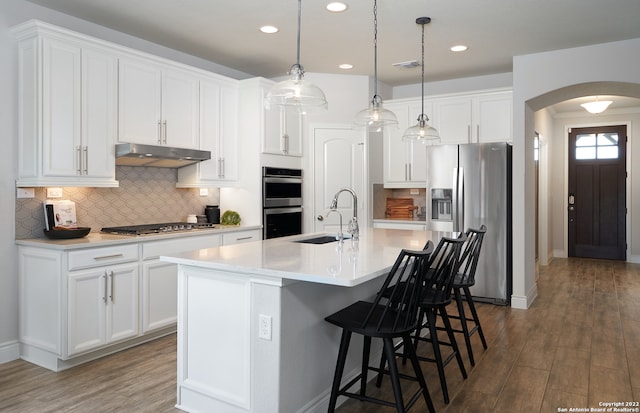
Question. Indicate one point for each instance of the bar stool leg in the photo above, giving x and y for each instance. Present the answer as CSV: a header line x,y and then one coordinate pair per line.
x,y
410,352
463,324
452,340
342,358
393,372
366,348
474,314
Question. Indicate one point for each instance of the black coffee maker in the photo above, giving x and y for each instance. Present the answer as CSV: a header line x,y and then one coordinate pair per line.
x,y
213,214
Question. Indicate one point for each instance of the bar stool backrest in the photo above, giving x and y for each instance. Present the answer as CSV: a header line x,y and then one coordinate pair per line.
x,y
470,255
443,265
401,291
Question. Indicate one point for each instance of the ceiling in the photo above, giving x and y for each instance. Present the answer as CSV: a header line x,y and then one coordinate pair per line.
x,y
227,32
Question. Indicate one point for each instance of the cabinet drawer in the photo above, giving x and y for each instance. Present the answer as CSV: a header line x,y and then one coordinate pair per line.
x,y
241,236
96,257
154,249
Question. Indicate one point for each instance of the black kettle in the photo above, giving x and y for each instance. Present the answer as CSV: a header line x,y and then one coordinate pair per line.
x,y
213,214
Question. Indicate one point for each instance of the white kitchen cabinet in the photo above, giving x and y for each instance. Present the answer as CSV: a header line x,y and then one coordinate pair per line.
x,y
404,161
405,225
218,130
67,106
159,279
157,104
239,237
473,118
282,131
102,307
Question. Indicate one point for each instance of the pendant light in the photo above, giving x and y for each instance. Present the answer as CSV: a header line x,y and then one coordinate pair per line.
x,y
597,106
295,91
422,132
375,117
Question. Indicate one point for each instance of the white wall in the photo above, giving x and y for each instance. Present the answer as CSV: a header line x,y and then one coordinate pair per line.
x,y
544,126
540,80
13,12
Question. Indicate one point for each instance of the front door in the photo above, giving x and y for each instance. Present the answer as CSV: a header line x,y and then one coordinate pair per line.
x,y
597,192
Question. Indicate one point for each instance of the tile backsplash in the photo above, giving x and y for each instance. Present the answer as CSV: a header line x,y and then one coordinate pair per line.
x,y
146,195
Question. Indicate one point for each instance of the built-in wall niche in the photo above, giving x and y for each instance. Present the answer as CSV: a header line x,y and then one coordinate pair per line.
x,y
146,195
380,195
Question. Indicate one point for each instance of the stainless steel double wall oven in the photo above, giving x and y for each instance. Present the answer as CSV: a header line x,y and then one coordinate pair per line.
x,y
281,202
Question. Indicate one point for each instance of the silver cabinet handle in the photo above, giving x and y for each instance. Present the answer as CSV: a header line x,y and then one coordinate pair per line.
x,y
106,257
85,151
222,168
159,132
112,294
469,140
410,173
243,238
104,297
164,133
79,159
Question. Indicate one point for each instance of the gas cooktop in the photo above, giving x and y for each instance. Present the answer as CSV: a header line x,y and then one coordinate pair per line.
x,y
157,228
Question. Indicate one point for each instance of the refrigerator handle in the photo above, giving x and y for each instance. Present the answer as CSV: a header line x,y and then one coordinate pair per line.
x,y
457,203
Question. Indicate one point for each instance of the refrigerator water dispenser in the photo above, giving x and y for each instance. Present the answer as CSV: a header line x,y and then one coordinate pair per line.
x,y
441,204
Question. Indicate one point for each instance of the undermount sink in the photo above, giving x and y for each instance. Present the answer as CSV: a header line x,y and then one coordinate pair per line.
x,y
323,239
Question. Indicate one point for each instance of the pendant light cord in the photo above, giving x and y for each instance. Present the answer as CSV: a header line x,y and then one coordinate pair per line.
x,y
375,50
422,69
298,45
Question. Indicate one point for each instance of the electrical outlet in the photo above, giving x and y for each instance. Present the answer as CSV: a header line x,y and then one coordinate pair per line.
x,y
54,192
204,192
25,193
414,191
264,327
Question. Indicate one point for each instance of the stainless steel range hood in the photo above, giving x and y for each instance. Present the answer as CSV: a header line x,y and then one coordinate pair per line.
x,y
134,154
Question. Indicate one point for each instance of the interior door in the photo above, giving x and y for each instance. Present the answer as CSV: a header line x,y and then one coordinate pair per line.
x,y
597,192
338,163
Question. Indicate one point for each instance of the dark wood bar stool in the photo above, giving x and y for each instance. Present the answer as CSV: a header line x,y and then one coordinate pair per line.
x,y
387,319
436,297
461,284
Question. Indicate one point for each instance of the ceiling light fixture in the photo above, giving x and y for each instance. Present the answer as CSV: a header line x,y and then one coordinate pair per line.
x,y
422,131
375,117
597,106
336,7
346,66
269,29
295,91
458,48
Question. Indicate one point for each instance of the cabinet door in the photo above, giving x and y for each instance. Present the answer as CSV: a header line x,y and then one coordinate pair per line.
x,y
417,150
61,109
452,118
122,310
179,109
99,121
86,309
396,151
139,102
229,132
209,131
160,295
493,117
283,132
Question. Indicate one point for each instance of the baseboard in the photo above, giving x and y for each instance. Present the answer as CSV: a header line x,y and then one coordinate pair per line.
x,y
9,351
523,302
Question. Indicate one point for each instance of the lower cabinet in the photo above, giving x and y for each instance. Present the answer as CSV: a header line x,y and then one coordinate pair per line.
x,y
102,307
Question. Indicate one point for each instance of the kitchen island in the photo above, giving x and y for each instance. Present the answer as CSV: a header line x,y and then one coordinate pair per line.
x,y
251,329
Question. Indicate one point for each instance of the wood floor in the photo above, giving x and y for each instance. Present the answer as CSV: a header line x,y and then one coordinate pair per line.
x,y
577,346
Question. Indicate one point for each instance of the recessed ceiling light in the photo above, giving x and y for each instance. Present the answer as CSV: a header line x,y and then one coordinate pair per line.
x,y
458,48
346,66
336,7
269,29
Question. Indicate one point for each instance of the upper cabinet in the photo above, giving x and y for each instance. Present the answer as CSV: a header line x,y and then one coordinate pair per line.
x,y
67,109
474,118
282,132
218,130
404,161
157,104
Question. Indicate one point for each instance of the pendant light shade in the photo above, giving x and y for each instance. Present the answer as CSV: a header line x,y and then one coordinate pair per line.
x,y
597,106
422,131
375,117
295,91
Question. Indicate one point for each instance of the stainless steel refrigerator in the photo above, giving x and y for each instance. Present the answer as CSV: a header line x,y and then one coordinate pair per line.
x,y
469,185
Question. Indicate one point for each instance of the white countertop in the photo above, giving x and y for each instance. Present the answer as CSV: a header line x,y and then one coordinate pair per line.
x,y
98,239
349,264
